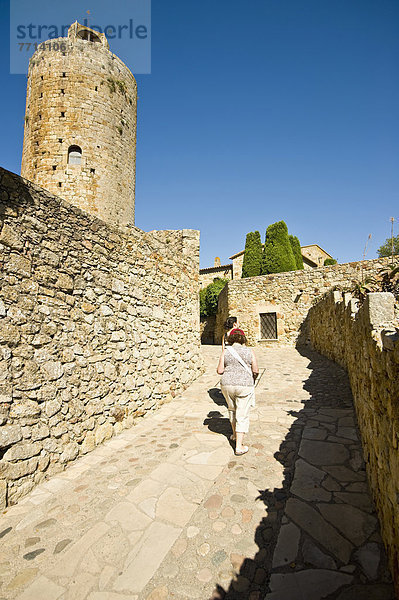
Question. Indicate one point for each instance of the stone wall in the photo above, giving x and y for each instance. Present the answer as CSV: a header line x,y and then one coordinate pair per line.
x,y
98,325
366,342
207,276
237,266
290,295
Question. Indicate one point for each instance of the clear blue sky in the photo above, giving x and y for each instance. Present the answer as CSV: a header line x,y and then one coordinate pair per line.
x,y
256,112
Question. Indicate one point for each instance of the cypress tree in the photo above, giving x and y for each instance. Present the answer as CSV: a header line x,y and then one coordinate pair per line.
x,y
277,253
296,248
252,263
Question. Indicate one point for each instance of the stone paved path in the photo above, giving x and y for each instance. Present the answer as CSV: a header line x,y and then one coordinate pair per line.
x,y
166,510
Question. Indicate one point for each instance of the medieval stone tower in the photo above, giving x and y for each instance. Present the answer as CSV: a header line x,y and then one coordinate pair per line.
x,y
80,125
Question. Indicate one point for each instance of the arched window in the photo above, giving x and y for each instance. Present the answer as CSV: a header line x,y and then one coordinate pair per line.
x,y
85,34
74,155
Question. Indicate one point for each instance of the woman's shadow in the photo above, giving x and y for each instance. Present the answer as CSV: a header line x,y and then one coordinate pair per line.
x,y
215,421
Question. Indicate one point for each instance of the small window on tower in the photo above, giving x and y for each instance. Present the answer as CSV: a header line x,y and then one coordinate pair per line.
x,y
90,36
74,155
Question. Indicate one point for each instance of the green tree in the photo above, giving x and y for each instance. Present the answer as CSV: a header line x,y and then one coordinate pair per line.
x,y
296,249
277,253
202,302
330,261
252,263
209,297
386,249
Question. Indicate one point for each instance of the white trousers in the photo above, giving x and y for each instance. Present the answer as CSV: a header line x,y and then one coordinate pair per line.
x,y
239,399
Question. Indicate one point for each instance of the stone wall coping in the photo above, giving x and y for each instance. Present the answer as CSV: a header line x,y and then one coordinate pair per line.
x,y
310,273
119,229
378,310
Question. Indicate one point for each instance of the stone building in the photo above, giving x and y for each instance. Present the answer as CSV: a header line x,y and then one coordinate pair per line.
x,y
314,256
218,270
80,125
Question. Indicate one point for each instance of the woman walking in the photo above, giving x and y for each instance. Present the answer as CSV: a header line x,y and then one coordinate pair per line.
x,y
239,370
229,324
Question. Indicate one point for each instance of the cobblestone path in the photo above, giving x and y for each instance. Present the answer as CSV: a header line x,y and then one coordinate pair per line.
x,y
166,510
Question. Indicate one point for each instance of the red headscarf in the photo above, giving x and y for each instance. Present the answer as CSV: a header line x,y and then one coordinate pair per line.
x,y
237,330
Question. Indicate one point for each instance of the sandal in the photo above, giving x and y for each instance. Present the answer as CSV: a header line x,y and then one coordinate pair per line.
x,y
241,452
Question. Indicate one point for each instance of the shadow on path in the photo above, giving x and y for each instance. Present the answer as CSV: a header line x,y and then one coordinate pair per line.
x,y
320,535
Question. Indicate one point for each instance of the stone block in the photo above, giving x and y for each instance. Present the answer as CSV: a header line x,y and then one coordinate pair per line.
x,y
380,307
53,370
3,494
24,409
64,282
39,432
9,237
20,265
118,286
10,434
22,451
52,407
89,443
9,334
104,432
70,452
19,469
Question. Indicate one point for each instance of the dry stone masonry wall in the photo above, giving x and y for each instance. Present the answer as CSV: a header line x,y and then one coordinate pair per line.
x,y
365,342
98,325
289,295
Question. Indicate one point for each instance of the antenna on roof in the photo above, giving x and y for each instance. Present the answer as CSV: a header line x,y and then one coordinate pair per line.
x,y
392,219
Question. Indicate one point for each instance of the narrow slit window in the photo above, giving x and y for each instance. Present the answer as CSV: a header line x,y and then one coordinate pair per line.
x,y
74,155
268,326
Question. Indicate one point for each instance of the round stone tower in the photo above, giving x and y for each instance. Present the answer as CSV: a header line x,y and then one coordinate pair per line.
x,y
80,125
